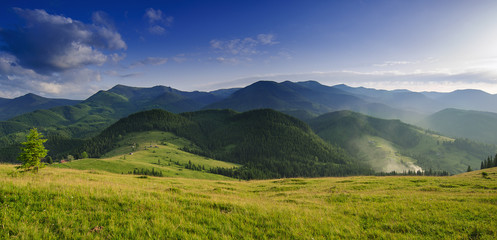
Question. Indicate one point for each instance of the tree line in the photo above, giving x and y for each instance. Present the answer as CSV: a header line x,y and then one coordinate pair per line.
x,y
489,162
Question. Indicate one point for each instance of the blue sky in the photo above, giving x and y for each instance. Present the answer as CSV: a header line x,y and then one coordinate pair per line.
x,y
73,49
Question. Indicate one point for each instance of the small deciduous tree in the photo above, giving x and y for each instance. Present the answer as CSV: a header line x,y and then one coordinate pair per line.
x,y
32,152
84,155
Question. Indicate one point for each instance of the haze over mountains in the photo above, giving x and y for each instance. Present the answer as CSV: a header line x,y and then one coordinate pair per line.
x,y
355,119
303,100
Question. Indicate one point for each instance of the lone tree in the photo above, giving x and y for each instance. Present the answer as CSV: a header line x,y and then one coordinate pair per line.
x,y
32,152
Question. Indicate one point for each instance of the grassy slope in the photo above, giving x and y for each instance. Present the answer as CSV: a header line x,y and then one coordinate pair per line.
x,y
165,150
66,203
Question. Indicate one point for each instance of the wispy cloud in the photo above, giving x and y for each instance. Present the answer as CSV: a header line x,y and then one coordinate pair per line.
x,y
114,73
239,50
436,80
158,21
392,63
150,61
245,46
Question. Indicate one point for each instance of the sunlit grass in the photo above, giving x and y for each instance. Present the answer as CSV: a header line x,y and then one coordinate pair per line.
x,y
66,203
157,150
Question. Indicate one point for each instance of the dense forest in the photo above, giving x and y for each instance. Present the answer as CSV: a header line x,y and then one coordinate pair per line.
x,y
267,143
270,144
425,148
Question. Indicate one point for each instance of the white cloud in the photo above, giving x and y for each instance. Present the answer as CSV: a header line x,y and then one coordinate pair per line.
x,y
154,15
77,55
54,55
117,57
51,43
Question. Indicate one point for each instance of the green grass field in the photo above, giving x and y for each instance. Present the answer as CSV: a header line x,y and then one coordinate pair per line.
x,y
61,203
158,150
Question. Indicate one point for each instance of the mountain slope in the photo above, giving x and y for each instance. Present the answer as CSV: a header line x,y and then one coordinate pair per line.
x,y
426,102
30,102
469,99
392,145
475,125
402,99
267,143
102,109
267,94
298,98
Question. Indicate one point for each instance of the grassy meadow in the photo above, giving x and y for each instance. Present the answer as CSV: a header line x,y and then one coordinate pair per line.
x,y
62,203
153,149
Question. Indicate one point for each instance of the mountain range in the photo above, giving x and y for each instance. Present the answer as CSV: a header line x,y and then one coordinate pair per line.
x,y
355,119
303,100
30,102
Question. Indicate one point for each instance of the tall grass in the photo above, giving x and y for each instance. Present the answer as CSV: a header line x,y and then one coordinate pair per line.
x,y
75,204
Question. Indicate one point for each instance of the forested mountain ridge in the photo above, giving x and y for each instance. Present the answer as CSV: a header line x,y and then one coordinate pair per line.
x,y
92,115
392,145
475,125
267,143
303,100
427,102
30,102
310,96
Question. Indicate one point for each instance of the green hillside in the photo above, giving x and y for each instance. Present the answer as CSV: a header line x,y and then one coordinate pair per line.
x,y
149,150
73,204
267,143
475,125
99,111
390,145
10,108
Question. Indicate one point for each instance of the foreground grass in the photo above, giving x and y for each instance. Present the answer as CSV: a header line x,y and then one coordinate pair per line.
x,y
74,204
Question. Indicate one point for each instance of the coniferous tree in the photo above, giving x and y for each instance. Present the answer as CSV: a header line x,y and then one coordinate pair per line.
x,y
33,151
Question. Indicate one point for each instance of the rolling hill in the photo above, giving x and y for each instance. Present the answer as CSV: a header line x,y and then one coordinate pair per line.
x,y
147,150
267,143
390,145
475,125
